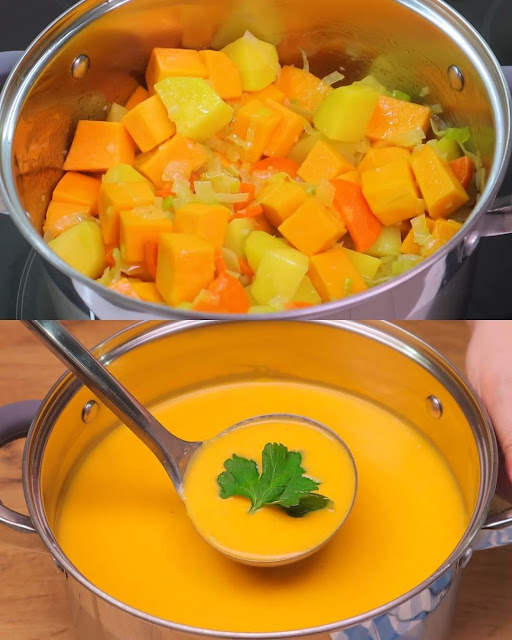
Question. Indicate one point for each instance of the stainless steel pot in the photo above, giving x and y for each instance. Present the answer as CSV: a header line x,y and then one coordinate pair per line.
x,y
406,375
95,53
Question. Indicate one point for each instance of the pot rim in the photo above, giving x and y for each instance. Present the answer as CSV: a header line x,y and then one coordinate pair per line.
x,y
385,333
59,32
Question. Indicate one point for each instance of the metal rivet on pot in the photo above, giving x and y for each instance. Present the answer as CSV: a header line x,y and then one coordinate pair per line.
x,y
434,406
80,66
470,243
464,559
90,411
456,78
59,568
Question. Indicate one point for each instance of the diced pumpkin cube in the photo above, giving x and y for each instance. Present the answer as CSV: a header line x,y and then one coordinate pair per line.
x,y
139,95
224,295
141,226
442,232
442,192
116,112
367,266
237,232
147,291
272,91
186,264
323,163
148,124
312,228
223,74
303,87
257,61
78,189
207,221
307,292
345,112
255,123
393,117
82,248
97,146
351,176
61,216
116,197
259,243
391,192
194,106
280,199
279,276
123,173
174,63
288,131
378,157
334,275
173,160
409,246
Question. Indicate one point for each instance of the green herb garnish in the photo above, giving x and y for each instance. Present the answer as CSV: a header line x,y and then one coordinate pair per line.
x,y
282,482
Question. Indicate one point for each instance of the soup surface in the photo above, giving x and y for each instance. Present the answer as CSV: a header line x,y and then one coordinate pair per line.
x,y
124,527
269,534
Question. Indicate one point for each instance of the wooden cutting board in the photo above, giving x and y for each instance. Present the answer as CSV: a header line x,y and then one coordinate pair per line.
x,y
32,600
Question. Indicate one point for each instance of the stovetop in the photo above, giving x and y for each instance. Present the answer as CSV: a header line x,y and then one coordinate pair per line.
x,y
26,290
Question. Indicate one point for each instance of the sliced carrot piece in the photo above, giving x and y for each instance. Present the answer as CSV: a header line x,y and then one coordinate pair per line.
x,y
246,187
249,212
276,165
228,296
297,305
151,257
245,267
463,168
363,226
109,254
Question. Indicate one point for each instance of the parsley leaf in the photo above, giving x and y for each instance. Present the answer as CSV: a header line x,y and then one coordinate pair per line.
x,y
282,482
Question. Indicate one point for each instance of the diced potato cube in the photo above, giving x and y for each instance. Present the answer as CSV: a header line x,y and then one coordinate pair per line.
x,y
82,248
141,226
387,244
442,192
367,266
97,146
307,292
116,197
323,163
223,74
186,264
148,124
254,123
312,228
393,118
78,189
116,112
279,276
392,193
237,232
257,244
198,112
334,275
378,157
279,200
346,112
168,63
257,61
207,221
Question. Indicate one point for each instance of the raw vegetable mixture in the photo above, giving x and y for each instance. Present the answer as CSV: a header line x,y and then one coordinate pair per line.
x,y
234,185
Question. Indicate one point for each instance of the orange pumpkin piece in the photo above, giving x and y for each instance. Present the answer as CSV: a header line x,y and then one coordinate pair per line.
x,y
255,123
442,232
224,295
334,276
280,201
408,244
125,286
139,95
175,159
351,176
177,63
223,74
303,87
323,162
272,91
61,216
393,117
97,146
139,227
186,265
288,131
147,291
76,188
148,123
312,228
463,169
207,221
378,157
116,197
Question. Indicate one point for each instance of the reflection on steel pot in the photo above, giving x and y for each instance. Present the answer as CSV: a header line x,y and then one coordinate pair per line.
x,y
341,354
405,43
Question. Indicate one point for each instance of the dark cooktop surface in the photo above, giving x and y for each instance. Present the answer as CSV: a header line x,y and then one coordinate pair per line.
x,y
25,291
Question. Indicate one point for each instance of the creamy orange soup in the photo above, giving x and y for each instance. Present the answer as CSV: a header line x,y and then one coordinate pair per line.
x,y
126,530
269,534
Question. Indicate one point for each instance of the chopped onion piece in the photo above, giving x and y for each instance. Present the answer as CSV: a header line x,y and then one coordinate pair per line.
x,y
68,221
325,193
410,138
305,61
176,170
420,230
405,262
436,109
424,92
183,193
333,78
205,192
231,260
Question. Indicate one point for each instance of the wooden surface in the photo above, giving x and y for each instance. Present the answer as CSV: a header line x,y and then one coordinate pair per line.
x,y
32,601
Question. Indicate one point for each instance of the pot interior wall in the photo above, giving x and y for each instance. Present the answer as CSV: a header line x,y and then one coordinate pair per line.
x,y
342,357
397,44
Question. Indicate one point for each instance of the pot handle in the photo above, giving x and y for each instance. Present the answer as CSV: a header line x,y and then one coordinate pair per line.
x,y
15,421
496,532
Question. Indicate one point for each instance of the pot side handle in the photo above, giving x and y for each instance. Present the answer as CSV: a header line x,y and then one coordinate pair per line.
x,y
15,421
496,532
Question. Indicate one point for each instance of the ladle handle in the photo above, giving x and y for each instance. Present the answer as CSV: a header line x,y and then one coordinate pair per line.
x,y
169,449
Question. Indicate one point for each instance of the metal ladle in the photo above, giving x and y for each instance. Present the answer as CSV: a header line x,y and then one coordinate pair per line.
x,y
172,452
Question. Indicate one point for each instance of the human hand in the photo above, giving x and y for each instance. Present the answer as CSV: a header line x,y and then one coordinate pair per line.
x,y
489,369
